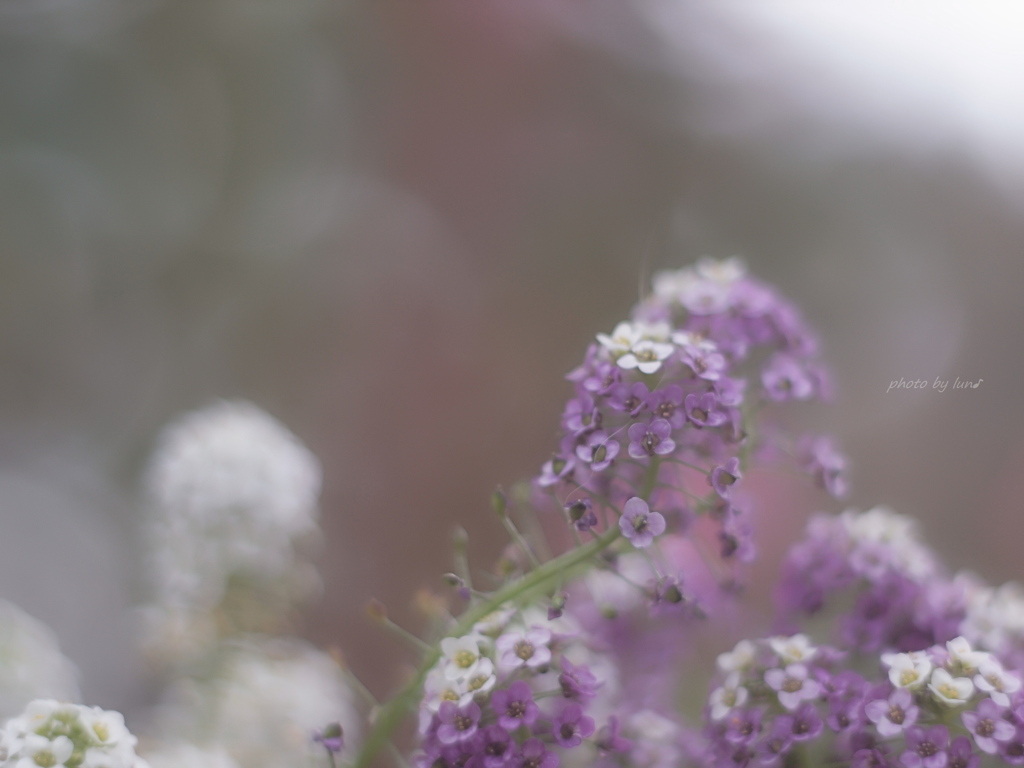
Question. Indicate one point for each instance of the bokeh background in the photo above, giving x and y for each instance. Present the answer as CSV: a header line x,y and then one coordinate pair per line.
x,y
395,224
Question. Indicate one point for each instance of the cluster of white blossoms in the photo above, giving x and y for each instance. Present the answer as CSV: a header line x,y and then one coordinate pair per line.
x,y
231,493
259,708
703,288
954,677
31,664
881,538
53,734
995,617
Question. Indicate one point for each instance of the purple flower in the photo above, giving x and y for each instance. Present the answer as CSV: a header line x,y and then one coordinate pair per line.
x,y
572,726
598,451
581,416
778,741
961,754
793,685
535,755
869,758
650,439
455,755
701,410
743,725
667,404
596,377
629,398
893,715
807,722
497,747
987,726
669,597
457,723
561,465
577,682
1013,750
823,461
926,747
581,514
844,713
609,740
639,524
785,378
730,391
331,737
515,706
704,360
737,536
723,478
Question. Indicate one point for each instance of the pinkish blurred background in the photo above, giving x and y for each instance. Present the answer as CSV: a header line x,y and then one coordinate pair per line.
x,y
396,224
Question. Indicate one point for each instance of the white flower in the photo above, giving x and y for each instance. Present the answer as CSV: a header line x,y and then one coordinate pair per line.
x,y
644,346
495,622
655,740
792,685
730,695
671,284
962,658
702,290
739,658
793,649
106,726
40,751
725,271
48,732
951,691
479,683
461,656
908,670
262,704
439,688
882,538
232,493
995,617
31,664
996,682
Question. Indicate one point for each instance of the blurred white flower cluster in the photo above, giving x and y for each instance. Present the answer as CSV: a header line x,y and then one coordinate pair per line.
x,y
31,664
232,496
258,710
54,734
232,500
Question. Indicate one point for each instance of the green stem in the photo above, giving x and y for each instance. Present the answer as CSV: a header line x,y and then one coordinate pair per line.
x,y
391,714
650,478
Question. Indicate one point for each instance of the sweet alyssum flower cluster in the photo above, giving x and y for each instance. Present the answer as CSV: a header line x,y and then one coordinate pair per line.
x,y
626,551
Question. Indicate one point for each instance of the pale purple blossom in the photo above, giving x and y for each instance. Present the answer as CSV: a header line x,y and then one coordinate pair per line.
x,y
572,726
577,681
894,714
652,439
722,478
667,403
926,747
515,706
701,410
988,726
639,524
457,723
599,450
